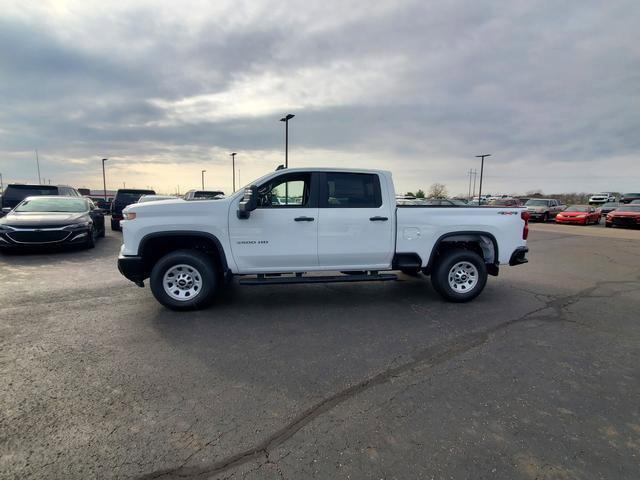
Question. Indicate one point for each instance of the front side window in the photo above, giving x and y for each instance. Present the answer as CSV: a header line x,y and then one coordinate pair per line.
x,y
285,191
352,190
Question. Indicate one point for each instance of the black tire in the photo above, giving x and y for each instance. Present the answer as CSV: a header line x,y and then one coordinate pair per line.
x,y
440,274
412,272
608,225
102,232
201,263
115,225
545,218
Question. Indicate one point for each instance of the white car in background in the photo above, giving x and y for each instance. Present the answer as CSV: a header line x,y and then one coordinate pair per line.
x,y
600,198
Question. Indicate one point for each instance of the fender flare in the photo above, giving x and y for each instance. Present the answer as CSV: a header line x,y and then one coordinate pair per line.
x,y
187,233
451,236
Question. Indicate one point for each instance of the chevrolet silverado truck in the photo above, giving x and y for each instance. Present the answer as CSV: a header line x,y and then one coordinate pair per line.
x,y
315,226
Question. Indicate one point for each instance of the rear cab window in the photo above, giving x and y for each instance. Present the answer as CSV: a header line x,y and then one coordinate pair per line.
x,y
350,190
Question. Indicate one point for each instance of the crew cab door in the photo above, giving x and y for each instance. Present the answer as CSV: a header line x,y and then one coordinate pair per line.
x,y
281,234
356,229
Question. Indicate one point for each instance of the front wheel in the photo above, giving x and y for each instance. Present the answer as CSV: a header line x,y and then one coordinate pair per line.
x,y
184,280
459,275
545,218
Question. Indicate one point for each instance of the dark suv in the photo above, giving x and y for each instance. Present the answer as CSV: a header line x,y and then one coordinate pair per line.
x,y
16,192
629,197
123,198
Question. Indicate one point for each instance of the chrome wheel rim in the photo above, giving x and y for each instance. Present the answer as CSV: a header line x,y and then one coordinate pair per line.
x,y
182,282
463,277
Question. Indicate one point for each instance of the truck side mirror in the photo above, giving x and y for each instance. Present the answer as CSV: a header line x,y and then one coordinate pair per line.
x,y
249,202
6,210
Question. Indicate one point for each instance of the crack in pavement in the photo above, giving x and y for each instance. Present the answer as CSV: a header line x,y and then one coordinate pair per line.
x,y
424,360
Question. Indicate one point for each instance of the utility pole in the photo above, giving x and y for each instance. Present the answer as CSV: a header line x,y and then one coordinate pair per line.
x,y
475,176
233,166
1,184
104,179
482,157
470,172
203,179
38,164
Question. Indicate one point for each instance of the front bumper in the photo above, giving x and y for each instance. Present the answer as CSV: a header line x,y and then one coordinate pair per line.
x,y
519,256
575,220
27,239
537,215
132,268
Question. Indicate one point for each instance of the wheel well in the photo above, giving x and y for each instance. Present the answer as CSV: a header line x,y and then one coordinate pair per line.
x,y
154,248
480,243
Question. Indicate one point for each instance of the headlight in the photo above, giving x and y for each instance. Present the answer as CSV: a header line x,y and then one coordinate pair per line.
x,y
129,215
78,226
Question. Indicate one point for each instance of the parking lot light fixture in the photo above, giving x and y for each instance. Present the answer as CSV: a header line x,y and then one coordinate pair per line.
x,y
104,179
286,119
233,166
481,172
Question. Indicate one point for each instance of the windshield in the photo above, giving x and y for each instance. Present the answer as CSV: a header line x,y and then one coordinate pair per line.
x,y
630,208
631,194
537,203
576,208
68,205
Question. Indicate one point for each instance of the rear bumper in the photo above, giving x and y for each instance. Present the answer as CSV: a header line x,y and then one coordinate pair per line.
x,y
519,256
132,268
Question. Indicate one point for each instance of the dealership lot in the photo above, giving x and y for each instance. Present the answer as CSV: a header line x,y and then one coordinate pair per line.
x,y
537,378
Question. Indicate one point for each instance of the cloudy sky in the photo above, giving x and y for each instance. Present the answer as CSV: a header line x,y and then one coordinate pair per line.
x,y
165,89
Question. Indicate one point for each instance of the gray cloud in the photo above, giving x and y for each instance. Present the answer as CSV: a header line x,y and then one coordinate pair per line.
x,y
418,88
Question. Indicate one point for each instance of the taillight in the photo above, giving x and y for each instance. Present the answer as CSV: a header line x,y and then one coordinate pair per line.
x,y
525,231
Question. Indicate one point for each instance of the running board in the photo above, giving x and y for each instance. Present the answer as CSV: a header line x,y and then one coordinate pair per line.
x,y
318,279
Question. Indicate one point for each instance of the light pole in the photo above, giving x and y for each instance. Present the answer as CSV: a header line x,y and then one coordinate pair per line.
x,y
233,166
286,119
104,179
1,184
203,178
38,164
470,172
481,172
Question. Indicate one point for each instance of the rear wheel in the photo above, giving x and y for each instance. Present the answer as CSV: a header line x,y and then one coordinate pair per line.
x,y
459,275
184,280
608,225
545,218
115,225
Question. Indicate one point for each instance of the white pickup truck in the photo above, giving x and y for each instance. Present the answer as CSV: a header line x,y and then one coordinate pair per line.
x,y
312,226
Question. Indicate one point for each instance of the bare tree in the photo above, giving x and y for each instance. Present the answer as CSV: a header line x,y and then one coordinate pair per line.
x,y
437,190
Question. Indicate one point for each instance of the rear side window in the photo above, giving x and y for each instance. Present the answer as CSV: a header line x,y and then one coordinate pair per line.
x,y
351,190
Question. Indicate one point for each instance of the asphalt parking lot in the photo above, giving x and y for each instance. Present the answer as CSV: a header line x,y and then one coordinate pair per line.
x,y
538,378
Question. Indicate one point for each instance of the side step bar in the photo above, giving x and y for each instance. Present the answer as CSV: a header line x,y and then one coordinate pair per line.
x,y
263,280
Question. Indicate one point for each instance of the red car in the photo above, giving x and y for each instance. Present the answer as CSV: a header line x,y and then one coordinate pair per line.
x,y
624,216
579,214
